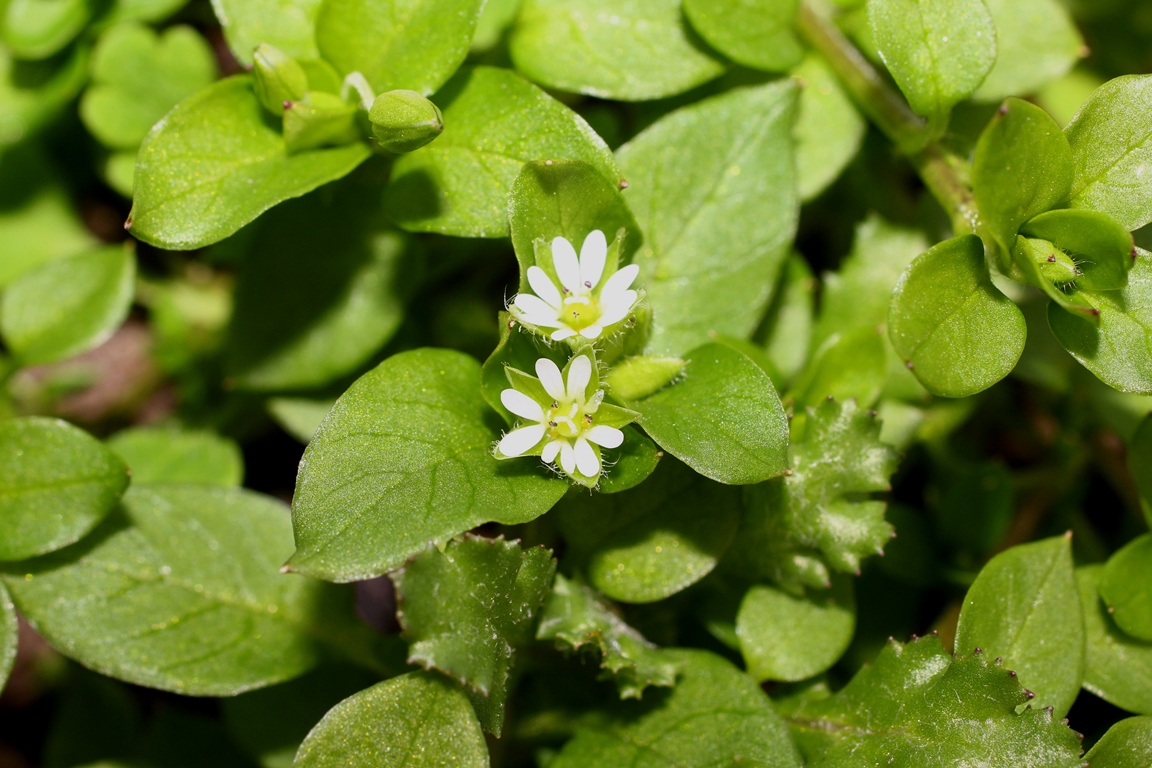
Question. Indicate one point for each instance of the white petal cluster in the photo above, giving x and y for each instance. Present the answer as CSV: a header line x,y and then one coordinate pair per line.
x,y
580,305
566,426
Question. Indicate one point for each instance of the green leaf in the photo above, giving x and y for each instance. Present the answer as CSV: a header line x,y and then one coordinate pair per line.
x,y
938,51
569,199
37,221
58,483
651,542
184,593
1140,464
724,419
1101,249
9,632
853,365
1126,587
1024,608
415,720
464,611
494,21
576,618
628,50
631,463
412,434
828,129
917,705
710,259
33,93
322,290
68,306
1117,344
138,75
37,29
953,328
494,122
799,528
755,33
787,331
1022,167
785,637
1110,149
157,455
299,416
1118,668
715,716
286,24
1127,744
215,163
269,724
415,45
1036,42
97,718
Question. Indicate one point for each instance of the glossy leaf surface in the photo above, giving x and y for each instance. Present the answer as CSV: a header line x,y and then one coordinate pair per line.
x,y
755,33
1036,42
1127,744
157,455
1118,668
286,24
1126,587
828,129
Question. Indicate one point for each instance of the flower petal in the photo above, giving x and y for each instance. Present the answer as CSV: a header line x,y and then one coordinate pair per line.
x,y
536,311
551,451
579,373
522,405
593,331
567,264
544,287
620,282
551,378
567,457
520,441
586,459
618,309
605,436
593,254
564,333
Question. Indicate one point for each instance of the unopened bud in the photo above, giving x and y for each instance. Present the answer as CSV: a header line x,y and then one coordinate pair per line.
x,y
319,119
1055,265
637,377
277,78
404,120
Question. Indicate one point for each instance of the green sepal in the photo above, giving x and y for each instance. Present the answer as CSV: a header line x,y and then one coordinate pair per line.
x,y
277,78
1032,258
1100,246
319,119
634,378
403,121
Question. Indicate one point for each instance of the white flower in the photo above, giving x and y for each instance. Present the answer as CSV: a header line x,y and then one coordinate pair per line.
x,y
570,425
580,304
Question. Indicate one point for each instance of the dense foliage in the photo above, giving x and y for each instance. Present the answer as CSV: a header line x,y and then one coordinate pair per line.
x,y
653,382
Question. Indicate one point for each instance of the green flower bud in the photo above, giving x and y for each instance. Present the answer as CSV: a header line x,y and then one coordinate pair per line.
x,y
278,78
637,377
319,119
1055,265
404,120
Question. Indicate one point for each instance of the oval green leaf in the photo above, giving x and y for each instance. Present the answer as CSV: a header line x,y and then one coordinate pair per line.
x,y
950,324
651,542
34,29
1036,42
710,260
413,434
1099,246
785,637
413,45
9,635
755,33
1126,586
494,122
68,306
1024,608
1127,744
724,419
173,456
215,162
629,50
286,24
828,130
417,720
184,593
58,483
1118,668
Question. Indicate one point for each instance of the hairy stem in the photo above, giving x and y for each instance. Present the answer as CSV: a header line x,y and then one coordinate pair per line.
x,y
942,171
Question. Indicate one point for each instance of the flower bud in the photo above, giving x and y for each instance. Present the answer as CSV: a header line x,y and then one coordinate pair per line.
x,y
1055,265
404,120
277,78
637,377
317,120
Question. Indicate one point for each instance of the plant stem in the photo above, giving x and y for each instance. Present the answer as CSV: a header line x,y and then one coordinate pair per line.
x,y
942,171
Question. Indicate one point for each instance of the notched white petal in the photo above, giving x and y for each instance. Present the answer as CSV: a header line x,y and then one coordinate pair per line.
x,y
550,376
567,264
579,374
605,436
536,311
520,441
567,458
544,287
586,459
551,451
522,405
593,254
618,283
616,310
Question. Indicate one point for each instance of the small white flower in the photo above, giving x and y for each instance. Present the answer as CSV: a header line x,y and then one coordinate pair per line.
x,y
567,419
580,304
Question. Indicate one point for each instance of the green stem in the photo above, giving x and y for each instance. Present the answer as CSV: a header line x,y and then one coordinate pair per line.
x,y
942,171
